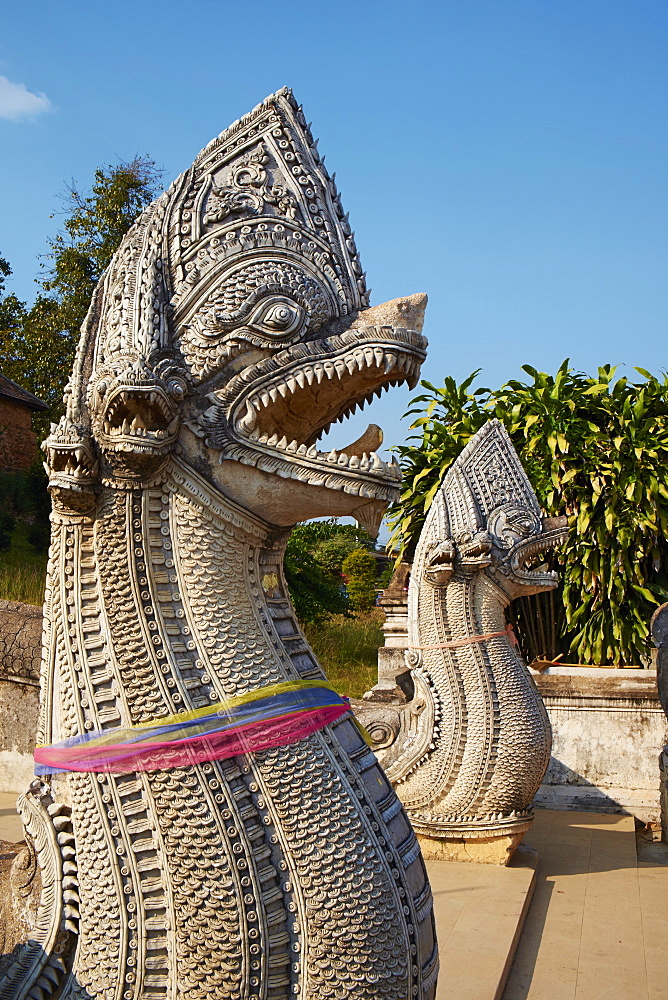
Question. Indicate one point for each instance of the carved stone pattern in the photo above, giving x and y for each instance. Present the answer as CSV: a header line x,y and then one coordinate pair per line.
x,y
268,876
475,740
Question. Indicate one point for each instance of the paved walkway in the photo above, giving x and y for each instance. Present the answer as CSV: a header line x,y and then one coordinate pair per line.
x,y
11,828
598,923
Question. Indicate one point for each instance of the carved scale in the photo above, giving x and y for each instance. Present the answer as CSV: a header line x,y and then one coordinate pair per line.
x,y
475,741
233,311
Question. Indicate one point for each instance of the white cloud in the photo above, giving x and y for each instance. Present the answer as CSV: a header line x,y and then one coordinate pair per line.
x,y
16,101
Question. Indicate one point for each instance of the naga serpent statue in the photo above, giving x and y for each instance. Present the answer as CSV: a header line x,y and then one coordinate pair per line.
x,y
473,744
231,328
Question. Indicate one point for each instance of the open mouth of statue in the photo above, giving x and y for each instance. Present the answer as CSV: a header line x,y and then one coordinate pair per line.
x,y
527,558
72,461
139,419
293,398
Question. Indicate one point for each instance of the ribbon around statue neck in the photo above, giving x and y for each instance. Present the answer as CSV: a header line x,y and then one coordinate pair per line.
x,y
269,717
508,631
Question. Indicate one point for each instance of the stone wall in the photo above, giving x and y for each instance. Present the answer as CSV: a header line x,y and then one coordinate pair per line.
x,y
609,730
20,653
18,442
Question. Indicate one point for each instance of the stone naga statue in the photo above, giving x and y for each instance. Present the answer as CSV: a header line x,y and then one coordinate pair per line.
x,y
475,740
231,328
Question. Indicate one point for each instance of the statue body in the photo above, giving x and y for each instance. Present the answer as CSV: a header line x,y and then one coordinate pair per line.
x,y
474,742
231,328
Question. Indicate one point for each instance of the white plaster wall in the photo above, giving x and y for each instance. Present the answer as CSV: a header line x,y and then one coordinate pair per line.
x,y
19,707
605,755
16,771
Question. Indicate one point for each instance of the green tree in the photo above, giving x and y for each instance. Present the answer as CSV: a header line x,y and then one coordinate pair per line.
x,y
12,310
313,561
37,345
314,594
359,570
595,449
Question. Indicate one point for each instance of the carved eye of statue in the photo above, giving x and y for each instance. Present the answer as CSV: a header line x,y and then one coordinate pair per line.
x,y
176,388
277,317
510,524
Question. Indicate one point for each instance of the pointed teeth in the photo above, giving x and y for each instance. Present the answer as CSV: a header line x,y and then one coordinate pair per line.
x,y
376,462
247,422
312,452
333,456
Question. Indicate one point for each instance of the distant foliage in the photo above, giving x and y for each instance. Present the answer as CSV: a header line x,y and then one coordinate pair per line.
x,y
595,449
37,344
313,566
359,571
24,499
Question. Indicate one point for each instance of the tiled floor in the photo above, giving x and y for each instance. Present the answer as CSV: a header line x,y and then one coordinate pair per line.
x,y
598,923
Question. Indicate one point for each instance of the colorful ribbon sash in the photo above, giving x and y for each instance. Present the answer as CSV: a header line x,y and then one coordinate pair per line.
x,y
269,717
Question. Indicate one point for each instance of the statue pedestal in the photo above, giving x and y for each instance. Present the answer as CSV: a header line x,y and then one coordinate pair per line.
x,y
479,850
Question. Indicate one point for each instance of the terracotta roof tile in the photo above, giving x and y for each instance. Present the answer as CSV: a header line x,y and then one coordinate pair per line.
x,y
10,390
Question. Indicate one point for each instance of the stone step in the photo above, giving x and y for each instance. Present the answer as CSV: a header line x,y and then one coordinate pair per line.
x,y
480,911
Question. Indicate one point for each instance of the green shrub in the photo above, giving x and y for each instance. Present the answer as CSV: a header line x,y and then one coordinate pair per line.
x,y
359,571
313,560
595,449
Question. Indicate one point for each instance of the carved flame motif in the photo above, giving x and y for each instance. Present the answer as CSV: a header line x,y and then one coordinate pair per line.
x,y
230,329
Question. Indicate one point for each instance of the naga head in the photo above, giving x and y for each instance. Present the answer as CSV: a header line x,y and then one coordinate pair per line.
x,y
486,518
231,328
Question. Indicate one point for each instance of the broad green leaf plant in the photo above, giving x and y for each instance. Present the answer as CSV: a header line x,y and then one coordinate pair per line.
x,y
595,449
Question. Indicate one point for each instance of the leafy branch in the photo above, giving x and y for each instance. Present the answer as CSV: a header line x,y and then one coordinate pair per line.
x,y
595,449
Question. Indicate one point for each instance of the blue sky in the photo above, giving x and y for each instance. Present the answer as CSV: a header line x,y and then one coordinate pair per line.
x,y
506,156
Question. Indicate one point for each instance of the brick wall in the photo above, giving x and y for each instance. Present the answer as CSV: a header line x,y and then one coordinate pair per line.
x,y
18,443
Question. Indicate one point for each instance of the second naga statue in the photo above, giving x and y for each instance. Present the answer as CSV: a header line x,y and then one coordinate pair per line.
x,y
473,744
